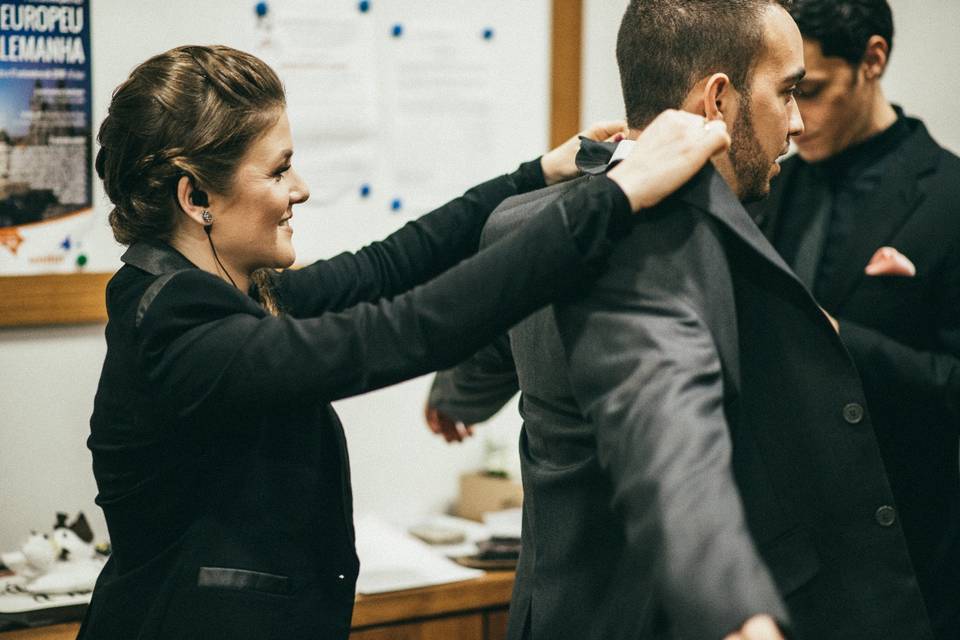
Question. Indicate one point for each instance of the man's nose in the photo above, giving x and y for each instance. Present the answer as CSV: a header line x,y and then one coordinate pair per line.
x,y
796,120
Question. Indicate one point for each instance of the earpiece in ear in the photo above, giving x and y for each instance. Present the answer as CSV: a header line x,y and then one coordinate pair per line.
x,y
199,198
207,218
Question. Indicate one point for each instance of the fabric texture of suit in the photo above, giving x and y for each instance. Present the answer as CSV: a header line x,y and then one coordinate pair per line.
x,y
904,335
692,427
222,467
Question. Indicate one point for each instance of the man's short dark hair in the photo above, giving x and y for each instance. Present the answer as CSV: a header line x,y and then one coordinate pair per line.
x,y
843,27
665,46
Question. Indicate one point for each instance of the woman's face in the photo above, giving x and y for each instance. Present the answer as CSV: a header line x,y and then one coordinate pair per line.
x,y
251,227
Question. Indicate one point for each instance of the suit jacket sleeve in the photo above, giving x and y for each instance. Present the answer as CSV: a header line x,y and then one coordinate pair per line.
x,y
477,388
893,367
420,250
645,369
204,345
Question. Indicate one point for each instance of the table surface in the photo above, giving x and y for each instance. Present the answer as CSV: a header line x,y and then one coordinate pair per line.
x,y
492,590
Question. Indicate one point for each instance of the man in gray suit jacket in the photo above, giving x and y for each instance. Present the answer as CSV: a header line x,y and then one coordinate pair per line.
x,y
696,455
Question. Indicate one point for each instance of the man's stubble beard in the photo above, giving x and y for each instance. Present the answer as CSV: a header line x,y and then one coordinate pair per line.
x,y
747,157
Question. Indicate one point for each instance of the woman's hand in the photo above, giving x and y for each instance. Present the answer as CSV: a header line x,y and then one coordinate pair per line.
x,y
560,163
670,151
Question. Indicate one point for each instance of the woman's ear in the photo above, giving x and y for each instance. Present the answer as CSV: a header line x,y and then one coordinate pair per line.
x,y
192,201
718,98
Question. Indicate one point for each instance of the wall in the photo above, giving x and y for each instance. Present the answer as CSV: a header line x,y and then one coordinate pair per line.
x,y
50,374
923,67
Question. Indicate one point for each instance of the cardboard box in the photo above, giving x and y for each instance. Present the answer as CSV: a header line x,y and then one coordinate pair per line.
x,y
480,493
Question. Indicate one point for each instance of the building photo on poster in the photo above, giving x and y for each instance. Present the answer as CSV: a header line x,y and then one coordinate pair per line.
x,y
45,141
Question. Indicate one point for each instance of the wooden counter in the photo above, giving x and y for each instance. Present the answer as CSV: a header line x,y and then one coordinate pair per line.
x,y
470,610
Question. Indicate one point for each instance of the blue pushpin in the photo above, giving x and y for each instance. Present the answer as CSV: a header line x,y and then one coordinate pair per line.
x,y
396,204
261,8
65,245
365,190
397,30
488,33
364,6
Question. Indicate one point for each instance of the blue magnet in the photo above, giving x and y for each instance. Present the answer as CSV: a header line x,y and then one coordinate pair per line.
x,y
365,191
261,8
65,245
364,6
397,30
396,204
488,33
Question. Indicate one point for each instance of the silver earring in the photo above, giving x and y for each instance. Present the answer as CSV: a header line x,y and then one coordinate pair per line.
x,y
207,218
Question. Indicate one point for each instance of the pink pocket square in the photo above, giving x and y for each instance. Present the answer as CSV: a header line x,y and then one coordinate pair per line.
x,y
887,261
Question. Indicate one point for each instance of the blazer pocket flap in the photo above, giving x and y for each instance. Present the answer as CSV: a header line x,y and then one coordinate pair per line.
x,y
793,560
243,579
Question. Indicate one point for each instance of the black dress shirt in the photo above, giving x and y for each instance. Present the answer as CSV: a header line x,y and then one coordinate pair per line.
x,y
851,176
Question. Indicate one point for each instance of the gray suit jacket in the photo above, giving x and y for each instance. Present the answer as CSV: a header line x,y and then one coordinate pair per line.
x,y
694,396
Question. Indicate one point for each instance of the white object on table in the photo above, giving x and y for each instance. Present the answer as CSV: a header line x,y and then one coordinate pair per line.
x,y
393,560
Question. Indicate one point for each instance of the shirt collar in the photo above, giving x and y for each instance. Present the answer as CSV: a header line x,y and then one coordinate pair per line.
x,y
856,159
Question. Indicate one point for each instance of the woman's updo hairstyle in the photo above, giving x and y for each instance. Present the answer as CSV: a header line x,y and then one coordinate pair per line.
x,y
191,111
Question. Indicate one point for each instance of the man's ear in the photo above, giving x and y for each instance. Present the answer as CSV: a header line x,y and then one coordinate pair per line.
x,y
875,58
719,98
191,200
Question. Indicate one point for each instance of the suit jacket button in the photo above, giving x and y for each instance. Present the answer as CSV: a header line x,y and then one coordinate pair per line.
x,y
853,413
886,516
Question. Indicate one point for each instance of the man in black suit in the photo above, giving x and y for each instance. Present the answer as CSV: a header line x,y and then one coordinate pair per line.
x,y
867,214
695,451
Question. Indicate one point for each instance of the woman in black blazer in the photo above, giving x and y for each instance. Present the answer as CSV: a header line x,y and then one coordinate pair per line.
x,y
221,466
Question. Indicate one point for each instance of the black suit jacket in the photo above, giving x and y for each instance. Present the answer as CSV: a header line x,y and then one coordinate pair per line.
x,y
221,466
904,335
689,423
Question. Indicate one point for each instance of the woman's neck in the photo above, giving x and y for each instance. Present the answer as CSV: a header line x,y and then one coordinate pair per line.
x,y
198,248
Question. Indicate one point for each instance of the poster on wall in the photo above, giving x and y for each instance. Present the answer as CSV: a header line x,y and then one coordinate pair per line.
x,y
45,136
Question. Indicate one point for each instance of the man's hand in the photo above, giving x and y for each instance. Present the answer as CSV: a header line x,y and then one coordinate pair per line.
x,y
560,163
443,425
761,627
669,152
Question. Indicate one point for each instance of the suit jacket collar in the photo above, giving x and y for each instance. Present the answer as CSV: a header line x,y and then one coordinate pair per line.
x,y
710,193
595,158
886,210
707,191
156,258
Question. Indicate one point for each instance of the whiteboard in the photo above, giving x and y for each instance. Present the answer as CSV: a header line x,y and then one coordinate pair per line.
x,y
440,96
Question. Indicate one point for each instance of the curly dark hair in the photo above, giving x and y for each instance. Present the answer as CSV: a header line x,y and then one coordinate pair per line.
x,y
843,27
191,111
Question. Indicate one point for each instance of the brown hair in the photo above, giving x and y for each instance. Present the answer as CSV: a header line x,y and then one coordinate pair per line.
x,y
665,46
191,111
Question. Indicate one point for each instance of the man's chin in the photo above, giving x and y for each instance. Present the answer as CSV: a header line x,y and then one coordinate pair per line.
x,y
811,153
757,193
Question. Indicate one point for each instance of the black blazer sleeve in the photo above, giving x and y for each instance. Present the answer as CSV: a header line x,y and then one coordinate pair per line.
x,y
206,346
477,388
646,370
418,251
